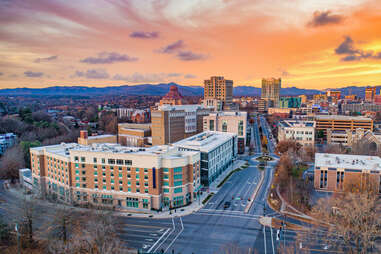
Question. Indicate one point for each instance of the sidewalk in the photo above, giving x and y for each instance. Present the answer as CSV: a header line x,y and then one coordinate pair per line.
x,y
182,211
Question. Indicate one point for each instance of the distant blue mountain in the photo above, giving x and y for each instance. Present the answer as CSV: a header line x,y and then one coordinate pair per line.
x,y
160,90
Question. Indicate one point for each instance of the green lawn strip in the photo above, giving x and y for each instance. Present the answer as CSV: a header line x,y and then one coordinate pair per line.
x,y
207,198
227,177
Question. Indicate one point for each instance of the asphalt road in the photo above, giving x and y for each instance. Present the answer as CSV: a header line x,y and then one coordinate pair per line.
x,y
214,227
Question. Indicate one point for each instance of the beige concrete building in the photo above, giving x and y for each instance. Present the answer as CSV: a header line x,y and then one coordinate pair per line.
x,y
132,134
84,139
218,90
342,172
116,176
233,122
342,123
302,132
173,123
270,91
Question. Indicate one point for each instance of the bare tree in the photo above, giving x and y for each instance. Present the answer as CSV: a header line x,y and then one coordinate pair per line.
x,y
11,162
351,223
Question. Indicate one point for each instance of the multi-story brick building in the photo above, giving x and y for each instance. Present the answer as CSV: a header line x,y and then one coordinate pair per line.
x,y
218,150
233,122
173,123
342,172
173,97
117,176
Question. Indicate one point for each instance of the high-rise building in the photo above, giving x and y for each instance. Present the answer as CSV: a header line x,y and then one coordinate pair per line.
x,y
173,123
370,92
270,91
216,90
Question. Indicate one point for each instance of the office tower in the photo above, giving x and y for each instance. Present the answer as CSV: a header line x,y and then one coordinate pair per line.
x,y
173,123
370,92
270,91
218,91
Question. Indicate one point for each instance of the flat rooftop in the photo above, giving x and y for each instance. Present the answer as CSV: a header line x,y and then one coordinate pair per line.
x,y
205,141
101,136
229,113
348,161
296,123
190,107
342,118
64,149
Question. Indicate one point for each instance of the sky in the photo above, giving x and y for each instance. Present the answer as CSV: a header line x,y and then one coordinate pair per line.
x,y
308,43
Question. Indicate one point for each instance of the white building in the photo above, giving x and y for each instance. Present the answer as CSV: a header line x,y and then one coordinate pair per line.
x,y
218,150
6,141
233,122
302,132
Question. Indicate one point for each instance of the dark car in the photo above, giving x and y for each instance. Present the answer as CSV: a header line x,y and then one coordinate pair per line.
x,y
227,204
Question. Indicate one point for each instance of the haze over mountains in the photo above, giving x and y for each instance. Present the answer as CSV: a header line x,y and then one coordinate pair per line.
x,y
162,89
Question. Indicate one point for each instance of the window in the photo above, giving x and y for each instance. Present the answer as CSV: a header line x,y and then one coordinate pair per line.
x,y
83,159
75,158
103,160
178,190
166,170
145,170
119,162
178,170
137,170
166,184
76,165
128,162
177,177
83,172
224,126
178,183
120,175
95,160
166,190
240,128
95,173
137,176
211,125
166,177
111,161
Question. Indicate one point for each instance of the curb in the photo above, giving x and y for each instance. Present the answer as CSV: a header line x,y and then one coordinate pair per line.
x,y
250,204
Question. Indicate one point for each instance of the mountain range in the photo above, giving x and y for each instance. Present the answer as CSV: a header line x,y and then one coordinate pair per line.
x,y
161,89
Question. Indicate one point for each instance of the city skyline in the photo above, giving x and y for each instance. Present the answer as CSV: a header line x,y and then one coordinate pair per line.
x,y
309,44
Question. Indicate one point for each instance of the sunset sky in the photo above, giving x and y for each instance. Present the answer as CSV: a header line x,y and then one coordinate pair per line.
x,y
309,43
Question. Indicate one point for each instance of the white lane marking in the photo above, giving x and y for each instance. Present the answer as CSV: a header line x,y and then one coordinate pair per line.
x,y
153,234
264,238
145,246
272,240
182,229
149,239
173,229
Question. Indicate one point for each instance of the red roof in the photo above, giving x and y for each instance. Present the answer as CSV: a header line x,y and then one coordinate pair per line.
x,y
173,94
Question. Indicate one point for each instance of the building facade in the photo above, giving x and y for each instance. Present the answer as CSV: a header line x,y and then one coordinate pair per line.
x,y
6,141
342,172
84,139
173,123
138,135
270,91
302,132
218,90
173,97
342,123
370,92
233,122
290,102
114,176
218,151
